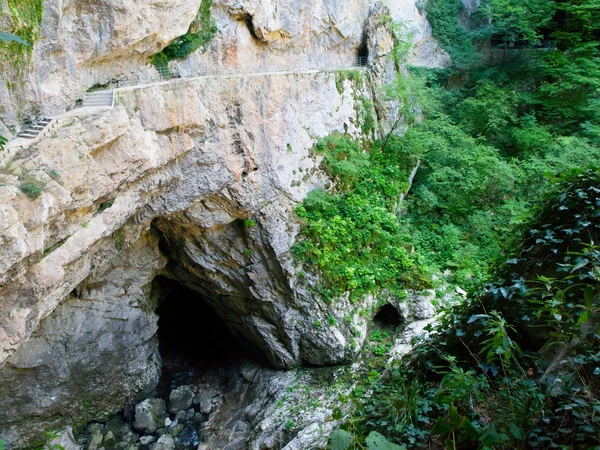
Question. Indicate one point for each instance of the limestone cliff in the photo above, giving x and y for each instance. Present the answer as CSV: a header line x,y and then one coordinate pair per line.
x,y
82,44
194,179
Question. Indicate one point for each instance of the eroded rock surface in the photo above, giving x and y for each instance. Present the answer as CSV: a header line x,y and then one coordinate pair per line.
x,y
83,44
194,180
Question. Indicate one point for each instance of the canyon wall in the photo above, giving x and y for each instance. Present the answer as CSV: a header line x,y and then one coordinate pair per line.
x,y
210,167
194,179
82,44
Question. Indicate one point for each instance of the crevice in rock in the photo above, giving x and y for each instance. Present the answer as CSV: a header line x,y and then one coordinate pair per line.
x,y
250,25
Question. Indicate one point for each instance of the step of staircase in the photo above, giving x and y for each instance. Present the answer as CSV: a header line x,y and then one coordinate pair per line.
x,y
98,99
34,128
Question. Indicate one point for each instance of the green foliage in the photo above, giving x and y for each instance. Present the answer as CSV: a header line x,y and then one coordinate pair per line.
x,y
376,441
343,75
517,365
351,235
31,186
486,147
561,86
460,202
50,249
3,142
399,407
119,238
340,440
25,18
199,35
249,223
514,20
104,205
457,40
53,174
488,377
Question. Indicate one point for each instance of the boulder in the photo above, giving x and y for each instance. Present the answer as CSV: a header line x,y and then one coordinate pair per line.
x,y
150,415
180,399
166,442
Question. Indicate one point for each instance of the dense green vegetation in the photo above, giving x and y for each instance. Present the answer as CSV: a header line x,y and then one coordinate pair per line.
x,y
200,33
506,203
351,233
496,128
518,365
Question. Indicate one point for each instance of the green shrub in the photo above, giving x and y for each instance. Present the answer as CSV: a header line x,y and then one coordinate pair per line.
x,y
119,238
350,235
31,186
200,33
457,40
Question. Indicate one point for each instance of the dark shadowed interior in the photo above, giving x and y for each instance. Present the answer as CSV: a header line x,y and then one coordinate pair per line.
x,y
387,317
193,338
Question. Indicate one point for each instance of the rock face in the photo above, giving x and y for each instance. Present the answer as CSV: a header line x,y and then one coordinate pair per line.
x,y
83,43
194,180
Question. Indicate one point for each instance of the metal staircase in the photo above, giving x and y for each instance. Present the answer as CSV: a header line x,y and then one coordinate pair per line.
x,y
99,99
35,128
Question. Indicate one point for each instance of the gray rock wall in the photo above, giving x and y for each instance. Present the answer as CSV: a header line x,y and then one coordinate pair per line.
x,y
187,161
213,166
86,43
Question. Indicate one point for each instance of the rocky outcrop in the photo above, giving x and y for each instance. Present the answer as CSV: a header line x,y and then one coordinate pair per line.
x,y
82,44
193,179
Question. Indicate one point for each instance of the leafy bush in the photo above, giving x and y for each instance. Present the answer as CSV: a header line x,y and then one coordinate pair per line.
x,y
518,365
31,186
444,16
351,235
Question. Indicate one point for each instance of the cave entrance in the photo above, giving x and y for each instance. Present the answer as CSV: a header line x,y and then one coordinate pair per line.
x,y
193,339
387,317
362,55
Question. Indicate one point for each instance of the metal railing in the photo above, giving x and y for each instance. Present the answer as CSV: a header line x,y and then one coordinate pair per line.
x,y
166,73
522,45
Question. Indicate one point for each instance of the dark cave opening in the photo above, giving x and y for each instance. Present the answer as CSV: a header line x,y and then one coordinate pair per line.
x,y
387,317
362,54
193,339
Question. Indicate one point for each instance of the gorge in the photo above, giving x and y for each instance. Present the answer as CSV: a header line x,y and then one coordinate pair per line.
x,y
187,185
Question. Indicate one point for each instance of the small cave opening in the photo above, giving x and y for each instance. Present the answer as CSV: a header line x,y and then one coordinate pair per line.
x,y
194,342
387,317
362,54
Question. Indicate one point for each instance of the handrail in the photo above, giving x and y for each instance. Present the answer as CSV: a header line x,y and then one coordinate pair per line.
x,y
166,73
522,45
361,61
